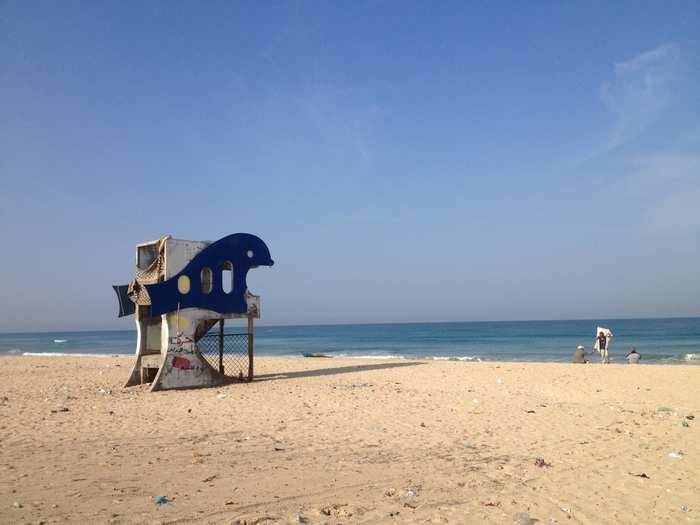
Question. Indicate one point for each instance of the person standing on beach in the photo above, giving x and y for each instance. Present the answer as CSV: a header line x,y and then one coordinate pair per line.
x,y
601,344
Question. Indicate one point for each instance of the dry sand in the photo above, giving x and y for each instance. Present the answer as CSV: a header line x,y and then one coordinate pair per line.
x,y
349,441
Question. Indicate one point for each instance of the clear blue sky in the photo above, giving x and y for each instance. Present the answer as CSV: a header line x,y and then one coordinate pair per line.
x,y
403,161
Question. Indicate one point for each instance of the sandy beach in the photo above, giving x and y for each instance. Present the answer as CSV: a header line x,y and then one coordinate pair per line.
x,y
352,441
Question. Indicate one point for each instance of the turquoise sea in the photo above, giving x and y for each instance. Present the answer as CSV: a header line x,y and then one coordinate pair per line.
x,y
658,340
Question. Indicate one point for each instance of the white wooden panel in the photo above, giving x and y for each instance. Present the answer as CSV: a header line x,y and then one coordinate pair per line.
x,y
179,252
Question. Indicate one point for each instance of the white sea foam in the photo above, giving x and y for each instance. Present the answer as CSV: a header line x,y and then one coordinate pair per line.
x,y
475,358
64,354
346,356
396,356
60,340
14,350
457,358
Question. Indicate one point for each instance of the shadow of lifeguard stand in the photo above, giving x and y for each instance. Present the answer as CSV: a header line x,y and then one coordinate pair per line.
x,y
181,290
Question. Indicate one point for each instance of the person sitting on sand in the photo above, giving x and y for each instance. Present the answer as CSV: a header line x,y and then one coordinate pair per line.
x,y
633,356
580,355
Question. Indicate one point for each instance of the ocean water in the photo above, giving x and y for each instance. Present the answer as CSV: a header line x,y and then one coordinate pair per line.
x,y
658,340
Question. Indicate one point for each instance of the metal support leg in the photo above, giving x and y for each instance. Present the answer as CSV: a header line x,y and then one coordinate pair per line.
x,y
250,348
221,346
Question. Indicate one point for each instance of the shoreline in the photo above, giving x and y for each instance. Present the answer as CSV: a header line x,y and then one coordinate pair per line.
x,y
351,441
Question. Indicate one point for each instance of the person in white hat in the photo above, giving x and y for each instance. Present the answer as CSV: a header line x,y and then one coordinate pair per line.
x,y
580,355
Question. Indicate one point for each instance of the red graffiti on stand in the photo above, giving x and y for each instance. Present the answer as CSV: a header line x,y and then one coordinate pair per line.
x,y
182,363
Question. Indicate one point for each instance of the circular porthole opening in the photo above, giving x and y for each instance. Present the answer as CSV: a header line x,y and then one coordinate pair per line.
x,y
250,254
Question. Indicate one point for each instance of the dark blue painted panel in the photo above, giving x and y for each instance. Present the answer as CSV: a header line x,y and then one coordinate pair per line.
x,y
243,250
126,305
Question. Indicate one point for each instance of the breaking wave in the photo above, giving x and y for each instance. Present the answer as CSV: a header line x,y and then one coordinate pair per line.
x,y
347,356
474,358
687,357
457,358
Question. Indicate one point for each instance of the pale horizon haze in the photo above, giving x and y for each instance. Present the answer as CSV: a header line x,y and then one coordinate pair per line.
x,y
403,161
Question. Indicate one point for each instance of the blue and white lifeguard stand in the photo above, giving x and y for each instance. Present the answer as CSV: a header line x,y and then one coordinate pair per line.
x,y
180,291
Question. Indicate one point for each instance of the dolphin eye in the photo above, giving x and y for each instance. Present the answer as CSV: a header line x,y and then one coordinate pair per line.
x,y
250,254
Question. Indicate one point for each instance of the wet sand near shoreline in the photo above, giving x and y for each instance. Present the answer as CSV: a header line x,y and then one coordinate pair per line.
x,y
352,441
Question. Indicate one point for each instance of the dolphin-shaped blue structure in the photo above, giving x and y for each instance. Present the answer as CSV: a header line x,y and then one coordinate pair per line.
x,y
239,251
210,286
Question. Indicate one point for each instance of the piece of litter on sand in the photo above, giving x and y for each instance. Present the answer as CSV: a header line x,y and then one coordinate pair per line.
x,y
221,396
685,423
160,500
540,462
684,508
522,518
664,409
690,418
298,518
337,510
675,455
491,503
475,400
642,475
530,411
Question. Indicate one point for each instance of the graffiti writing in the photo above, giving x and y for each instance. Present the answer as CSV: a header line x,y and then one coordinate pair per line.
x,y
180,340
181,349
181,344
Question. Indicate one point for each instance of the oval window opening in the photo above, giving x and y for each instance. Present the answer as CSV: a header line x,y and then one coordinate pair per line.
x,y
183,284
206,280
227,277
250,254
